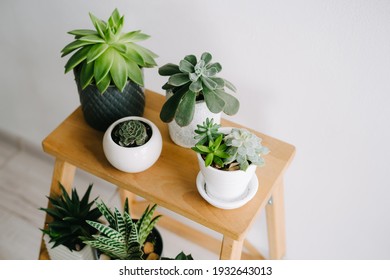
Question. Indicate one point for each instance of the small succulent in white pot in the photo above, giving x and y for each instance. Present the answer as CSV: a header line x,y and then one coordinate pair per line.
x,y
63,234
194,93
228,158
132,144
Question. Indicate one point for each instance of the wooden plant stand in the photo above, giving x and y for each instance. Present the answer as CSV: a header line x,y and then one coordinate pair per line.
x,y
171,183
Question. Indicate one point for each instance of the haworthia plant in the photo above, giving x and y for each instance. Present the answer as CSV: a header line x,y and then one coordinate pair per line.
x,y
122,238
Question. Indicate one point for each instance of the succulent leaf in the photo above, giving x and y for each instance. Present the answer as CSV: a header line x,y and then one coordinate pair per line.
x,y
186,109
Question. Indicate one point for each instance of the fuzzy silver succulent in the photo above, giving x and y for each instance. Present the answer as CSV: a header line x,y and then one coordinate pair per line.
x,y
193,80
245,148
131,133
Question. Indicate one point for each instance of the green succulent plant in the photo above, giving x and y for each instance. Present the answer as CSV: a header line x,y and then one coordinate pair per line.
x,y
131,133
215,152
69,215
108,56
194,80
208,131
232,151
245,148
122,238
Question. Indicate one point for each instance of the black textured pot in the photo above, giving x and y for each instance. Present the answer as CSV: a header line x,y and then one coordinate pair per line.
x,y
101,110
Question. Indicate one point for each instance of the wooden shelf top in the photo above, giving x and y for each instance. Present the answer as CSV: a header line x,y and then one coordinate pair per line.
x,y
170,182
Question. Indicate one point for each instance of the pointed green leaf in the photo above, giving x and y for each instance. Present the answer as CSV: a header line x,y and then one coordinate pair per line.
x,y
92,39
132,54
125,38
85,198
104,83
203,149
136,37
96,51
120,47
77,58
115,17
82,32
209,159
99,25
147,55
118,71
73,46
134,73
106,212
103,64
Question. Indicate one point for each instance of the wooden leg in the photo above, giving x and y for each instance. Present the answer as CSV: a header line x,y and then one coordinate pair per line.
x,y
63,173
231,249
276,223
123,194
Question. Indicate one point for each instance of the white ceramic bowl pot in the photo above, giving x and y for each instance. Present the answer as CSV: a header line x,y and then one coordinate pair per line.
x,y
133,159
223,185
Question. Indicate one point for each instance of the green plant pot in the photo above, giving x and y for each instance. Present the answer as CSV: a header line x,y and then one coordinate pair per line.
x,y
101,110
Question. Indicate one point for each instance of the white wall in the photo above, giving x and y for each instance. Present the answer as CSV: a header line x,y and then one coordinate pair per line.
x,y
313,73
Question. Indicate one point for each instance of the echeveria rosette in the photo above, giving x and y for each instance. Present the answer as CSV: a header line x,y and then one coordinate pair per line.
x,y
195,79
245,148
106,56
132,132
206,132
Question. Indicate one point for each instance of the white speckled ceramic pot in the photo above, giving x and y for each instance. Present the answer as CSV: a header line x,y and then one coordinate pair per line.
x,y
184,136
133,159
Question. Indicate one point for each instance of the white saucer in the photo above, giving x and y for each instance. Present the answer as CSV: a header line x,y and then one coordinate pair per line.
x,y
246,197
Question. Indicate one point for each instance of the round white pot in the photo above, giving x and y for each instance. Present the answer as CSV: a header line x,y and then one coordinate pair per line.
x,y
184,136
226,186
134,159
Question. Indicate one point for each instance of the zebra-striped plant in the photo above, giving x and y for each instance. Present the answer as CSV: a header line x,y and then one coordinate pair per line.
x,y
123,237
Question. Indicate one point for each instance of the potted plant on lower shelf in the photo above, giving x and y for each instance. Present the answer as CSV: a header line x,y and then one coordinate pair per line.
x,y
124,238
63,234
228,158
132,144
194,93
